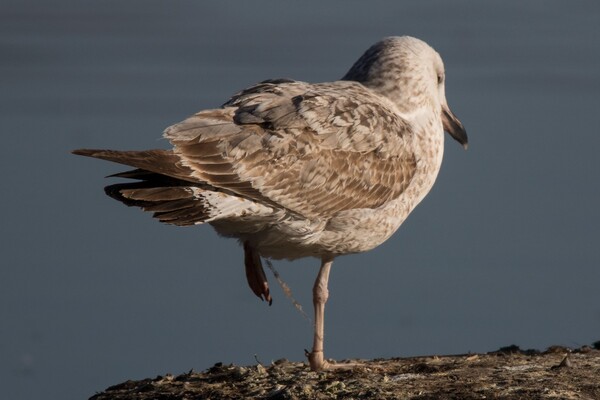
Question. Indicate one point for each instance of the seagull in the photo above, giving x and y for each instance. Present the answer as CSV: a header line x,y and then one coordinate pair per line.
x,y
294,169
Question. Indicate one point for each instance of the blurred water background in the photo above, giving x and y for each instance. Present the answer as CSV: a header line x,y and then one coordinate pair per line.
x,y
504,250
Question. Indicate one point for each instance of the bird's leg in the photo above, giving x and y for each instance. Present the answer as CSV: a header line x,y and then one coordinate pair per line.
x,y
320,295
255,274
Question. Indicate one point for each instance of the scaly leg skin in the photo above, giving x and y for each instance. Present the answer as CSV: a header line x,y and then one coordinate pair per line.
x,y
320,295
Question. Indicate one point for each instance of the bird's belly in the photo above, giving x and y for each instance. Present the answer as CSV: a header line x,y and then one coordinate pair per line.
x,y
351,231
282,236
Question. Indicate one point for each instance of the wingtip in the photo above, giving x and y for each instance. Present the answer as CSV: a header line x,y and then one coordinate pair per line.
x,y
84,152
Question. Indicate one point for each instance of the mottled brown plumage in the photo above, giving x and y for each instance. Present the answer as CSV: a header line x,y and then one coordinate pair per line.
x,y
294,169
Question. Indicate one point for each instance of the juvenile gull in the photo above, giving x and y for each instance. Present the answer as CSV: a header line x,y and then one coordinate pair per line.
x,y
294,169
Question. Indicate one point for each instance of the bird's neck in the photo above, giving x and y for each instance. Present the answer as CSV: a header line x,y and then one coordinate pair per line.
x,y
428,145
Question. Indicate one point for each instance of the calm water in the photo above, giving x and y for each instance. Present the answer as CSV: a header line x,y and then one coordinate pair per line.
x,y
504,250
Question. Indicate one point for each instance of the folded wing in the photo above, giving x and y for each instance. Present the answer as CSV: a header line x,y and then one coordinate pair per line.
x,y
310,150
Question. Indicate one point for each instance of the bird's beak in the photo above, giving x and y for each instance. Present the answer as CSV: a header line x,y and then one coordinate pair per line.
x,y
454,127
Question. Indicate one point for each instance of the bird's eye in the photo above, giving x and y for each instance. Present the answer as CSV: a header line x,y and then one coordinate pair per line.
x,y
440,78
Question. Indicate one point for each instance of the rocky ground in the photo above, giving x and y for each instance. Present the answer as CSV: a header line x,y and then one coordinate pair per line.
x,y
509,373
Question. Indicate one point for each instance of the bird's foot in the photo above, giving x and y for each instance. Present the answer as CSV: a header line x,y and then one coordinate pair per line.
x,y
316,360
318,363
255,274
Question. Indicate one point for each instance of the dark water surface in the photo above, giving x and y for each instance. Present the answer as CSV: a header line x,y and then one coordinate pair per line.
x,y
504,250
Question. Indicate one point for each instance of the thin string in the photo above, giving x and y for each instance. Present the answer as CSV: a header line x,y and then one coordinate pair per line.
x,y
286,289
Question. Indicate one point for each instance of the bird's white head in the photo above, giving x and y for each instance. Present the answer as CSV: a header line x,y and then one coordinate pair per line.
x,y
411,74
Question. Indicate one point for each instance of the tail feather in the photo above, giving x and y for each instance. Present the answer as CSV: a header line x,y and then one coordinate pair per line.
x,y
167,189
183,205
176,205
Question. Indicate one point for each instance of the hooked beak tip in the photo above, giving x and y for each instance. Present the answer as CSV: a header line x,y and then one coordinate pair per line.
x,y
454,127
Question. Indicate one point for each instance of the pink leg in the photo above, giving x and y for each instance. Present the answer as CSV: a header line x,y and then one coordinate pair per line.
x,y
320,295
